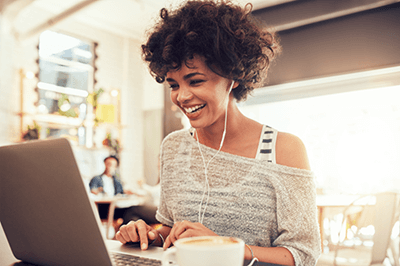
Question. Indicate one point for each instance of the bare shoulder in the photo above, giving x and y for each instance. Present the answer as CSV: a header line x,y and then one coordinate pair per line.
x,y
290,151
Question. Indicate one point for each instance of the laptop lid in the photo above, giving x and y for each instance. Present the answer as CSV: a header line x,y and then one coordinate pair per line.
x,y
45,210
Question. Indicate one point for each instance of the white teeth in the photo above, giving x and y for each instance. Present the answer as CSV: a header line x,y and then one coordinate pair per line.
x,y
193,109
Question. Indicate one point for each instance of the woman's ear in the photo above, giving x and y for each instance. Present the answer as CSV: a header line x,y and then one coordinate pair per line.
x,y
235,85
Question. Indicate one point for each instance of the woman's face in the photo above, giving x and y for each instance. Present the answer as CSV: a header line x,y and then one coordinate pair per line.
x,y
201,94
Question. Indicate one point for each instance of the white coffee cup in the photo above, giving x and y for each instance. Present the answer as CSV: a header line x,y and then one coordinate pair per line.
x,y
206,250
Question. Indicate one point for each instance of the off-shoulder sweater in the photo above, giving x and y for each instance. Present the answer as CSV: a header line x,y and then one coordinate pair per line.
x,y
265,204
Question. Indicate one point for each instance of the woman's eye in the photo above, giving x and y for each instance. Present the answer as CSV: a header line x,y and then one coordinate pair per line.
x,y
196,81
173,86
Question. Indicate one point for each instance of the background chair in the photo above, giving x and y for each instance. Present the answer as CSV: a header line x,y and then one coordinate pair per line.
x,y
366,231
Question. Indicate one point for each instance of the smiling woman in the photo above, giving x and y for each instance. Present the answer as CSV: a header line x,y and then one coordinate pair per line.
x,y
213,54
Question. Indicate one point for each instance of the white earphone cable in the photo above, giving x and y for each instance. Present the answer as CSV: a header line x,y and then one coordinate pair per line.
x,y
207,185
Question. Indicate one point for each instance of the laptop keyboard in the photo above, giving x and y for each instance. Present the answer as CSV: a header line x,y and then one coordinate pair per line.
x,y
127,259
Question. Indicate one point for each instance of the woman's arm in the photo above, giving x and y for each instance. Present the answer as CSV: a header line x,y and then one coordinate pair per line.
x,y
290,151
296,203
276,255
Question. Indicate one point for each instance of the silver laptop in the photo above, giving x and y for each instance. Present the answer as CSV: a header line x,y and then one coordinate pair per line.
x,y
46,212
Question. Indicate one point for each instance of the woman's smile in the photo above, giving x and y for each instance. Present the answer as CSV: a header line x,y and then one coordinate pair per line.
x,y
194,109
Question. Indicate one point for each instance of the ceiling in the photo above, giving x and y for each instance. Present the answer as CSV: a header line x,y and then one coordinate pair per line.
x,y
128,18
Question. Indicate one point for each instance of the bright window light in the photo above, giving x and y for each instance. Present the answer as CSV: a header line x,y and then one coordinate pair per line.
x,y
352,138
53,43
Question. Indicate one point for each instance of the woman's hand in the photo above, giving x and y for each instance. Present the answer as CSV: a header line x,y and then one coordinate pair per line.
x,y
186,229
136,231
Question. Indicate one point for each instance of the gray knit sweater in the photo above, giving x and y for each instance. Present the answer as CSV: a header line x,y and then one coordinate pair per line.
x,y
264,204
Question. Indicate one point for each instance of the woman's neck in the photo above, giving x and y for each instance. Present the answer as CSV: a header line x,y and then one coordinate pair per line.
x,y
242,135
211,136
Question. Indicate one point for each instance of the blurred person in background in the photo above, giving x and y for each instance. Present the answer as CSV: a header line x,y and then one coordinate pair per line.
x,y
108,185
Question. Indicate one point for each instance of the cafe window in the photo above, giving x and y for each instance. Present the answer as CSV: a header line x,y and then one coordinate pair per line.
x,y
66,78
351,137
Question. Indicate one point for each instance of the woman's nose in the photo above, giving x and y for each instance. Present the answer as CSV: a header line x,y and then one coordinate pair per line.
x,y
184,94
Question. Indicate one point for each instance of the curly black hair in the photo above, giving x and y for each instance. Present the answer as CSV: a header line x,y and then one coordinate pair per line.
x,y
232,43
